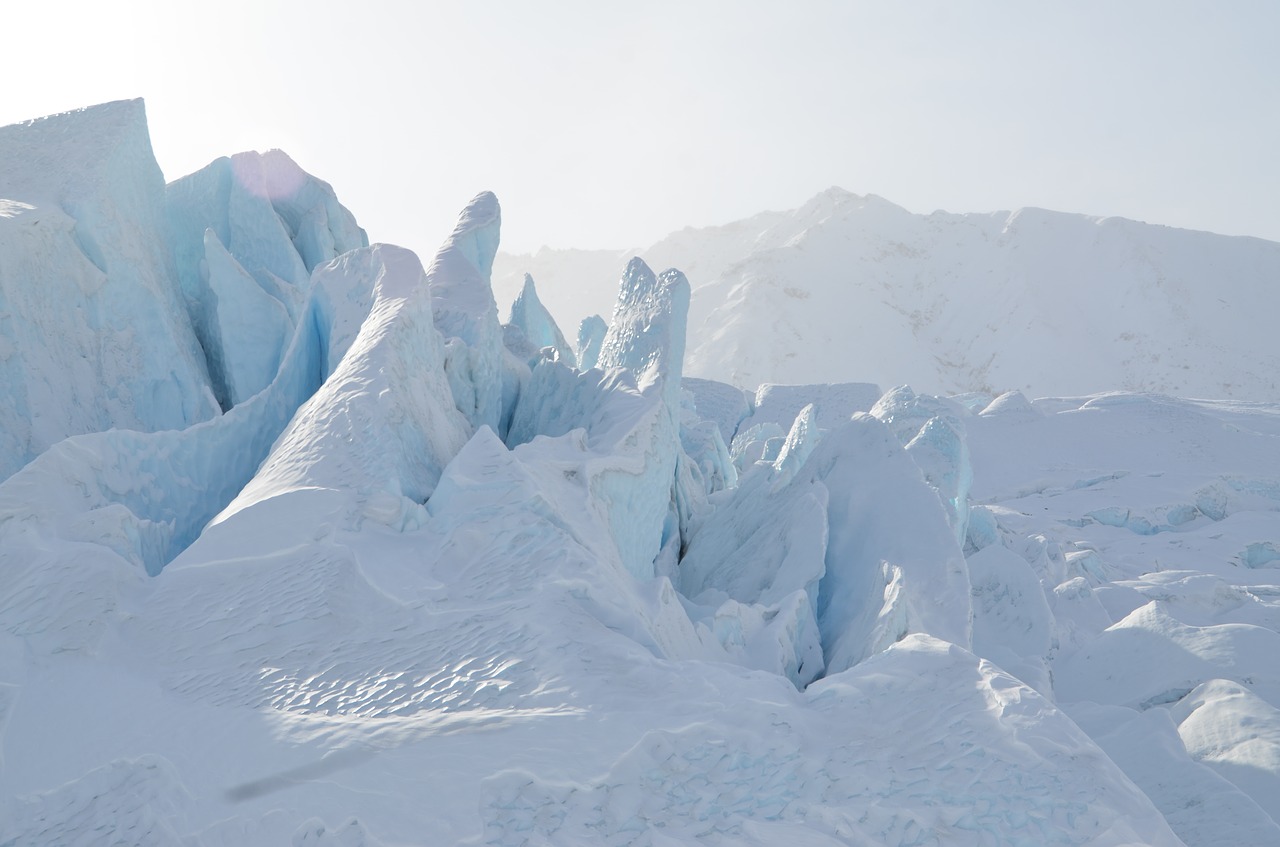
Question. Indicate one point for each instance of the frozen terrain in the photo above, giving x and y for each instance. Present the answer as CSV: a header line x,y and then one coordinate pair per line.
x,y
852,288
395,572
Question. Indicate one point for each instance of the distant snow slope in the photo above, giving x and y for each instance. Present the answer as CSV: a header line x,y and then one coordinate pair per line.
x,y
433,584
852,288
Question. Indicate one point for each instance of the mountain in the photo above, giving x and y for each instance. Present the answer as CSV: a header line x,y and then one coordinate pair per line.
x,y
854,288
419,577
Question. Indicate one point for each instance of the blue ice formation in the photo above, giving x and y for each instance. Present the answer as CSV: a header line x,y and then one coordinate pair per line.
x,y
590,336
383,425
466,313
537,325
95,332
933,431
893,565
629,411
721,403
251,216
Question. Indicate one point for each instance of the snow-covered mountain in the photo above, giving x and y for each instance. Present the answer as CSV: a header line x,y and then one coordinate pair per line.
x,y
850,288
420,577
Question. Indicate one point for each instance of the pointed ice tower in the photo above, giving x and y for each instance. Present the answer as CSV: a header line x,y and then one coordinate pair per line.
x,y
466,313
539,328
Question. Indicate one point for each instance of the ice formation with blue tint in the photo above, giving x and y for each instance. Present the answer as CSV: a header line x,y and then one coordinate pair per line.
x,y
93,329
537,325
590,336
466,313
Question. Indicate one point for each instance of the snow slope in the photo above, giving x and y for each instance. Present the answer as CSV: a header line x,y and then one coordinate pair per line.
x,y
423,589
853,288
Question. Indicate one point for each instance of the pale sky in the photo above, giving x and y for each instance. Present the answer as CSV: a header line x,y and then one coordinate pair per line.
x,y
603,124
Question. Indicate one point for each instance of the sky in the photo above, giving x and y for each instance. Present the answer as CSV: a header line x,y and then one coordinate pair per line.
x,y
608,125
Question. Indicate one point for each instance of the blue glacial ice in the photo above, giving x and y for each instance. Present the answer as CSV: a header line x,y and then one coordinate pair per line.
x,y
537,325
95,332
467,315
590,336
255,215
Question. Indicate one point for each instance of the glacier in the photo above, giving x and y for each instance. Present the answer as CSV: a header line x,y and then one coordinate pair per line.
x,y
387,570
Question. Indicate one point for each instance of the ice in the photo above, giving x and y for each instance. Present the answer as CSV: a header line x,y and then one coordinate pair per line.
x,y
720,403
255,215
647,333
833,404
933,431
467,315
247,330
889,548
705,447
382,426
591,334
535,322
95,333
1013,625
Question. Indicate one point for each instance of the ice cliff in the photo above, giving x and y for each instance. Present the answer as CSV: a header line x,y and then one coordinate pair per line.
x,y
95,332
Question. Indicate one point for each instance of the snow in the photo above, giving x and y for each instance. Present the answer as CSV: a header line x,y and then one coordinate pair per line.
x,y
415,587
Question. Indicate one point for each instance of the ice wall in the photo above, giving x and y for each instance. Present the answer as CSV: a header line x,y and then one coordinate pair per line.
x,y
93,330
251,216
893,564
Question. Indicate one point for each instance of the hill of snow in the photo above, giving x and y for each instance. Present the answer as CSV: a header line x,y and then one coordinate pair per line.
x,y
852,288
428,579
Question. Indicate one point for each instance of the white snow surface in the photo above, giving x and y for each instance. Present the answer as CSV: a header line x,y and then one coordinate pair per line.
x,y
415,590
852,288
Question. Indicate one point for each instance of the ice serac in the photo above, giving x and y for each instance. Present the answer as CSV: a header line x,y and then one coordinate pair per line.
x,y
647,338
720,402
256,215
246,332
764,549
893,565
382,427
641,480
93,330
933,431
591,334
533,319
466,313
